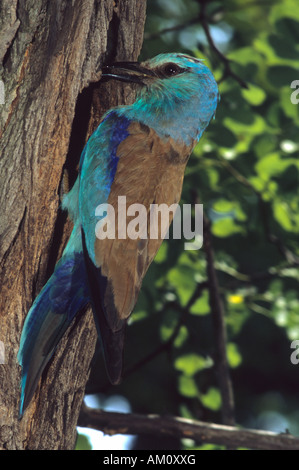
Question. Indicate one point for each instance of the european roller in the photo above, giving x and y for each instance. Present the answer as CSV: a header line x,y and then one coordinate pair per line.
x,y
138,151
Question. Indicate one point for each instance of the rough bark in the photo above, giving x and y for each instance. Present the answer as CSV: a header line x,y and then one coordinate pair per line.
x,y
51,51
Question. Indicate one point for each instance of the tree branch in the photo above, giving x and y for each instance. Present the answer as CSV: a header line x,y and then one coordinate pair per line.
x,y
122,423
220,331
171,29
203,18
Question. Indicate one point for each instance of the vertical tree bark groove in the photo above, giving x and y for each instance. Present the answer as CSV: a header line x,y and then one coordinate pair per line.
x,y
50,52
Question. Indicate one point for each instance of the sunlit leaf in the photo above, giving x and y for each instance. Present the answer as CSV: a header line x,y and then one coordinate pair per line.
x,y
254,95
233,355
190,364
211,399
225,228
201,306
187,386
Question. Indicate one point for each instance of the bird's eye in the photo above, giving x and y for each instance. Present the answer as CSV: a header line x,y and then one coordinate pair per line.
x,y
171,69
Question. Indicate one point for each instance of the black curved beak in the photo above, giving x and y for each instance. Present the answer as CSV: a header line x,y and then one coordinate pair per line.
x,y
131,72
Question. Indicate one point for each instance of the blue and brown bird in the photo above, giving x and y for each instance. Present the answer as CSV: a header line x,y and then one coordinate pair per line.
x,y
138,151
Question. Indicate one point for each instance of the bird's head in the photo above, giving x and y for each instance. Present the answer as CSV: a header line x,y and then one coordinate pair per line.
x,y
178,94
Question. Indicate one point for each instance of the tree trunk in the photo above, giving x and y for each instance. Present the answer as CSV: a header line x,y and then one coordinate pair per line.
x,y
51,51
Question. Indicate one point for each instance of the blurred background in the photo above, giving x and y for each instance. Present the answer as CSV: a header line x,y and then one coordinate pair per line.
x,y
245,173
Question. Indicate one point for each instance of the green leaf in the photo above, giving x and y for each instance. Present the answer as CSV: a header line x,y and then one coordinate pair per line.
x,y
223,205
290,109
83,442
211,399
187,386
284,215
169,323
161,256
255,124
182,278
181,337
201,305
264,144
233,355
272,165
225,228
254,95
245,55
190,364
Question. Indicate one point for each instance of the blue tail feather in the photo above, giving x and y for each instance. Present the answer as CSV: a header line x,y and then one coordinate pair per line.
x,y
50,315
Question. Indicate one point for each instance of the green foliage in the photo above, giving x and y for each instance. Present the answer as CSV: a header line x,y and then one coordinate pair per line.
x,y
83,443
245,172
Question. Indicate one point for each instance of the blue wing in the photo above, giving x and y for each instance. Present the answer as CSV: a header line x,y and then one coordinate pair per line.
x,y
96,178
97,173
